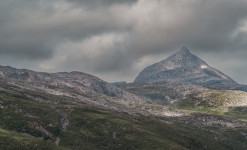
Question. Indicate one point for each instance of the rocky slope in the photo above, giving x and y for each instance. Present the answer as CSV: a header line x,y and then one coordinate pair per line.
x,y
163,93
57,83
80,87
189,96
184,67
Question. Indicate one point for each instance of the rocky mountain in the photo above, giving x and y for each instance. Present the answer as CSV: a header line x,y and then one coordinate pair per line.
x,y
184,67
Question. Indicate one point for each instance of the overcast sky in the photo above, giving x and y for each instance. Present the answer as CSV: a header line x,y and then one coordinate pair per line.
x,y
116,39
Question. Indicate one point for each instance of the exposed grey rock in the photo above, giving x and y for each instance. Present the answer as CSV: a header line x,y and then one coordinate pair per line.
x,y
54,82
184,67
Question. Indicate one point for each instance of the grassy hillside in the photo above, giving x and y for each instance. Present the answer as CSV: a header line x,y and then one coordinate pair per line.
x,y
41,120
101,129
10,140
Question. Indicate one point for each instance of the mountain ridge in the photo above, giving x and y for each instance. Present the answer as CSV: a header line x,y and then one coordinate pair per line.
x,y
78,81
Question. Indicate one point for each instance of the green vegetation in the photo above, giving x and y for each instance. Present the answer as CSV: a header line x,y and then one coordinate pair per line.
x,y
10,140
237,113
214,105
22,117
21,114
93,129
101,129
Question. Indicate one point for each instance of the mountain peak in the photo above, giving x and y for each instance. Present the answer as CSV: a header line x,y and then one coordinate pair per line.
x,y
184,67
182,58
183,51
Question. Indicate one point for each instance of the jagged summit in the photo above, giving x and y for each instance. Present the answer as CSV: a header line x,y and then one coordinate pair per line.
x,y
184,51
182,58
184,67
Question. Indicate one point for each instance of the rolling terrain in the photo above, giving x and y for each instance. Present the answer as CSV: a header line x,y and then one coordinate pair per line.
x,y
57,122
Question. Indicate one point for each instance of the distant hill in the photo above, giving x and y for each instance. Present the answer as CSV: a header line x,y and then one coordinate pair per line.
x,y
119,83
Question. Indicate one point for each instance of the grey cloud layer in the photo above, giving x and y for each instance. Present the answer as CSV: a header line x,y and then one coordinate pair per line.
x,y
100,3
115,39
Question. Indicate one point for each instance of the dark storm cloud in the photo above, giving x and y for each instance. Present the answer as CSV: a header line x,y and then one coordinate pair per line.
x,y
115,39
16,40
33,30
